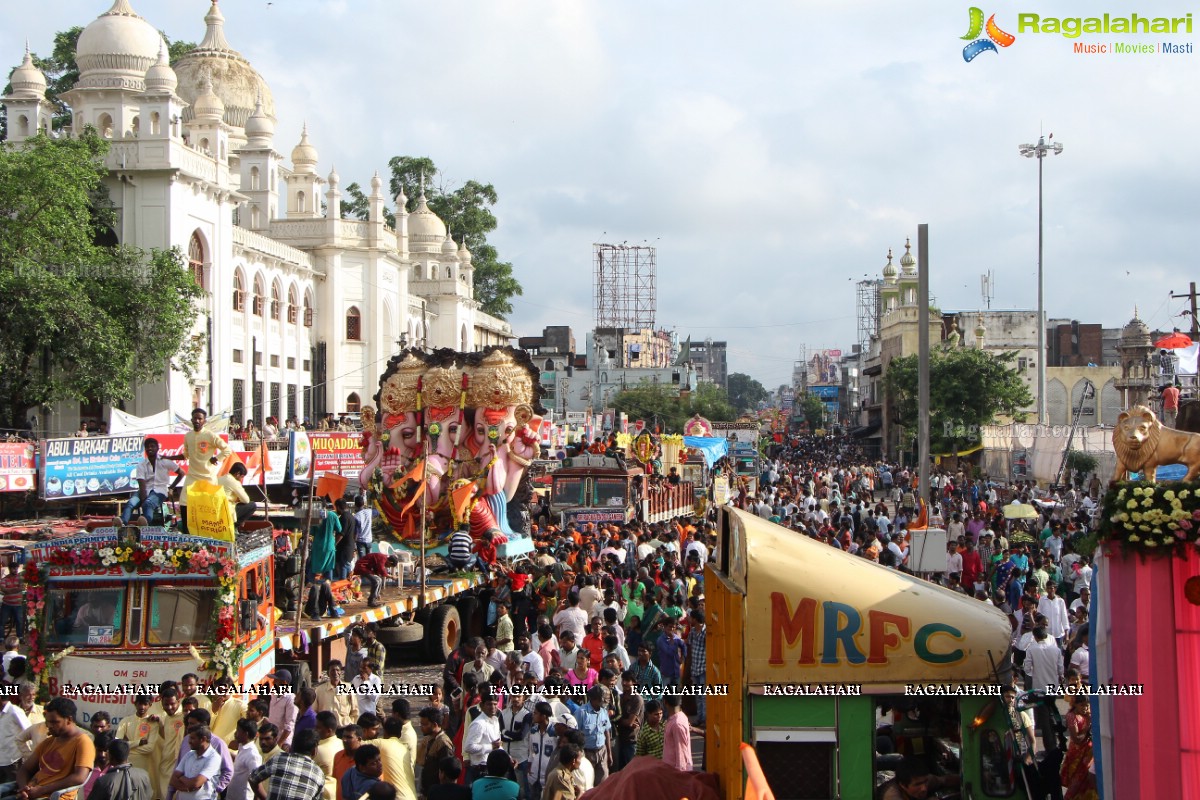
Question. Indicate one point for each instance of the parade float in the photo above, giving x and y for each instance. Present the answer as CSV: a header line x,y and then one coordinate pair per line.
x,y
1145,616
451,443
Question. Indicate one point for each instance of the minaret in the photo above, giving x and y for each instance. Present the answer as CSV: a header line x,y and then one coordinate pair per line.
x,y
304,184
259,168
908,276
29,112
402,225
161,107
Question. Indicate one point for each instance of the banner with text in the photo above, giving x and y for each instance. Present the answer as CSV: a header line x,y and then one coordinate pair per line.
x,y
316,453
88,467
17,467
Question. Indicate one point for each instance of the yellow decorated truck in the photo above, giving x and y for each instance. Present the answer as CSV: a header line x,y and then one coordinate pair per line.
x,y
838,669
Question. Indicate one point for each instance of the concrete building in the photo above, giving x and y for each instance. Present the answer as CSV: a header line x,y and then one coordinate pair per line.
x,y
303,308
710,361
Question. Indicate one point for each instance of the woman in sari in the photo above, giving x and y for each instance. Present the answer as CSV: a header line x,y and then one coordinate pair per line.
x,y
1076,773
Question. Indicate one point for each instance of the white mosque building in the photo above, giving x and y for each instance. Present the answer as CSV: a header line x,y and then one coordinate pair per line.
x,y
303,307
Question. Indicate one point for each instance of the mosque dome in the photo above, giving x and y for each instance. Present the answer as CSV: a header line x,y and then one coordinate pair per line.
x,y
236,82
426,231
908,264
448,246
464,255
117,49
889,269
27,80
160,77
304,155
1135,333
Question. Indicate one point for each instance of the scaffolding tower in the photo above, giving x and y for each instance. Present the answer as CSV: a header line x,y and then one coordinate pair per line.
x,y
626,286
869,312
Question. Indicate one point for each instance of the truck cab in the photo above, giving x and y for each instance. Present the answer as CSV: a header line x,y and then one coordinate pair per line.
x,y
132,607
598,489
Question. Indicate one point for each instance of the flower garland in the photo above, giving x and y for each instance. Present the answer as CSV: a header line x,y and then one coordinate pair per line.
x,y
226,652
1149,518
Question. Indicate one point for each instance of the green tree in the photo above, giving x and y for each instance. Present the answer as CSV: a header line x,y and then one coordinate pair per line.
x,y
968,388
359,205
663,403
810,407
467,212
77,320
744,392
62,73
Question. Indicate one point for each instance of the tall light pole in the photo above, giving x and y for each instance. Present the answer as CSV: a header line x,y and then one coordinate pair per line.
x,y
1040,151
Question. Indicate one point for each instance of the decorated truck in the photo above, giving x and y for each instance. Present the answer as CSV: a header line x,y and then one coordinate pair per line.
x,y
117,609
604,490
837,669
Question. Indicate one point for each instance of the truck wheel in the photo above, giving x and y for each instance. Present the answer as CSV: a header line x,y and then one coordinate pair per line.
x,y
301,673
468,614
443,633
401,634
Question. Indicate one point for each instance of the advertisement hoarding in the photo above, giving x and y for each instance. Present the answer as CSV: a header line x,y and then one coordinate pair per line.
x,y
315,453
88,467
17,467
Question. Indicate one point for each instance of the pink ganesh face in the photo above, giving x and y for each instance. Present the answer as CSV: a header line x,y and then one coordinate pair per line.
x,y
402,439
494,427
442,427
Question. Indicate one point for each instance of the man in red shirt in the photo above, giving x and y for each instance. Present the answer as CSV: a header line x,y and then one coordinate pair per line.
x,y
1170,404
972,567
374,569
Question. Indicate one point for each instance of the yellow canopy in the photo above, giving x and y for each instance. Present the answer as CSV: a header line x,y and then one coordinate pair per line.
x,y
1020,511
815,614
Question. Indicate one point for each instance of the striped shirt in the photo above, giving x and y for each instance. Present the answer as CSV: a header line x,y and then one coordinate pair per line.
x,y
460,548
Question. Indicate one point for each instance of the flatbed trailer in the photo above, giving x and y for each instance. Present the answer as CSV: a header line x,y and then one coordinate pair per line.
x,y
450,610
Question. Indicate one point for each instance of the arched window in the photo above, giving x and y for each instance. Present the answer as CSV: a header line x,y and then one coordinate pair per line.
x,y
308,311
465,347
23,125
105,124
260,292
155,123
449,271
293,308
300,202
136,125
417,272
196,258
276,300
254,217
239,291
353,404
254,179
353,325
204,144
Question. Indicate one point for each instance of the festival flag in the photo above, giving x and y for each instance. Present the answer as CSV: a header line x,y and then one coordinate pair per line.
x,y
331,485
922,521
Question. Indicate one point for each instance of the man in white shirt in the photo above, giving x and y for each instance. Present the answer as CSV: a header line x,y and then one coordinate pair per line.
x,y
954,561
1083,601
154,483
589,596
1083,575
283,707
572,618
196,777
249,758
1043,661
483,736
13,722
901,553
531,660
696,546
1054,609
1080,660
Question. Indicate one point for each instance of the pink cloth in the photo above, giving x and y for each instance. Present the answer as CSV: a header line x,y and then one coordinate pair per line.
x,y
677,742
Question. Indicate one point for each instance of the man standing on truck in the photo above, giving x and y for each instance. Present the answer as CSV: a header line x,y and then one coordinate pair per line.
x,y
154,483
204,451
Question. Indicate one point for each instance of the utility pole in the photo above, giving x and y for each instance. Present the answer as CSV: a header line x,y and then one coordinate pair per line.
x,y
1191,295
923,360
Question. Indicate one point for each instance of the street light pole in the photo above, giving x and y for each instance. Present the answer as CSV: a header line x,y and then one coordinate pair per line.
x,y
1040,150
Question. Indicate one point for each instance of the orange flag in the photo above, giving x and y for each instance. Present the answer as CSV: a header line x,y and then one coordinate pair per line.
x,y
332,485
461,498
227,464
921,523
414,475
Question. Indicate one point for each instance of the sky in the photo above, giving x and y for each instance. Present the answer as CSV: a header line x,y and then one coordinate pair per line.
x,y
772,152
